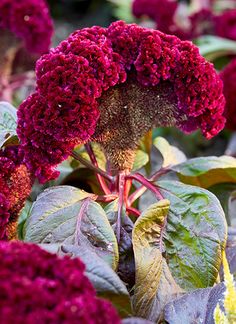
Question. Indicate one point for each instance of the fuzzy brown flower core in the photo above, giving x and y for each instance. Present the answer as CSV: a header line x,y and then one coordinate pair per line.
x,y
127,112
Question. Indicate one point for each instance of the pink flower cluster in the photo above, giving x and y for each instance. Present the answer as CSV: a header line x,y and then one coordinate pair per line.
x,y
29,20
15,186
38,287
203,22
71,79
228,76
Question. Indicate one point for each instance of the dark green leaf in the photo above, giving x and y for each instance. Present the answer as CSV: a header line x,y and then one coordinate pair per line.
x,y
67,215
195,234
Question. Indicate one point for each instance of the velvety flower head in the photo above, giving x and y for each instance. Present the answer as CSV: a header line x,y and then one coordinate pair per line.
x,y
15,186
228,76
225,24
29,20
39,287
112,85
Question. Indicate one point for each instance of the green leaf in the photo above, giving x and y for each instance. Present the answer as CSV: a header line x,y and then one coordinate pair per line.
x,y
155,285
195,307
122,10
213,47
22,218
207,171
141,159
67,215
7,122
195,234
171,154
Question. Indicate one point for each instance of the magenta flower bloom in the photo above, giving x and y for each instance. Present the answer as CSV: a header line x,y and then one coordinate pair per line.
x,y
112,85
228,76
38,287
29,20
15,186
225,24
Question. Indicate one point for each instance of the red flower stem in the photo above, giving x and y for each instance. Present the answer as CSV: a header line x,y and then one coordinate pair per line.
x,y
106,198
121,191
146,183
89,165
128,185
93,159
133,211
137,193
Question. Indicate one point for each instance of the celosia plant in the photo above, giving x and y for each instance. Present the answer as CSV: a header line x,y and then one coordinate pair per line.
x,y
99,94
228,76
40,287
30,21
15,186
112,85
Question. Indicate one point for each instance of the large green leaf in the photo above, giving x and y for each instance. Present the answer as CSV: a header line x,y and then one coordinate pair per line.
x,y
154,285
67,215
207,171
195,234
7,122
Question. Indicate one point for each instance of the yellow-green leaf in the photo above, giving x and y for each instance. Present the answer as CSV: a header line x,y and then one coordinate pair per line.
x,y
171,154
154,285
207,171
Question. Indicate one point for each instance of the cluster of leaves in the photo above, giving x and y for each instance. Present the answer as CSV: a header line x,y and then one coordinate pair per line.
x,y
170,256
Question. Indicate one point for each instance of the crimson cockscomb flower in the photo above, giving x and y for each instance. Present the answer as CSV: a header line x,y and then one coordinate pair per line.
x,y
225,24
228,76
39,287
15,186
30,21
112,85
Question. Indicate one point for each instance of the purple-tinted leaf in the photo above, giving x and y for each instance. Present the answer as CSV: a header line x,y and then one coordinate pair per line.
x,y
196,307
